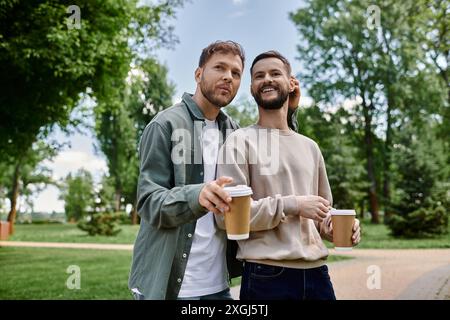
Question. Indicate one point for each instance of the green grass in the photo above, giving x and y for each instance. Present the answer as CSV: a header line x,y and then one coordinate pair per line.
x,y
373,236
378,237
69,233
38,273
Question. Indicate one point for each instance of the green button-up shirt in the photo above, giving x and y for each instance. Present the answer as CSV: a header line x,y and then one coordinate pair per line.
x,y
170,181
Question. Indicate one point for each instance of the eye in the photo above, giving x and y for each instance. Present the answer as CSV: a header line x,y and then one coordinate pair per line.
x,y
218,67
236,74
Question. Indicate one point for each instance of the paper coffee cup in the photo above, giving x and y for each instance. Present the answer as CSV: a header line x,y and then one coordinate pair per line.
x,y
342,221
237,220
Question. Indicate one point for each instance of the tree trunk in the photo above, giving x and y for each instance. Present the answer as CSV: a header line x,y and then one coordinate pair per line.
x,y
13,197
134,216
117,198
387,162
368,139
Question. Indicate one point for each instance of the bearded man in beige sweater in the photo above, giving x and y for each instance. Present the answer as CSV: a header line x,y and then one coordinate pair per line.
x,y
284,256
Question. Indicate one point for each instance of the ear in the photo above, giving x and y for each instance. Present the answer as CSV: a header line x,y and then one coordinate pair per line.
x,y
291,84
198,74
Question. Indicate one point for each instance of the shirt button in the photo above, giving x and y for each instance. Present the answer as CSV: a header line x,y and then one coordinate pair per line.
x,y
179,280
189,235
201,173
184,255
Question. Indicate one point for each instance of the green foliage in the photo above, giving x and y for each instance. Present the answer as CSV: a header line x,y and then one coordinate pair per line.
x,y
421,201
244,112
423,222
120,123
78,195
45,65
104,224
397,70
334,136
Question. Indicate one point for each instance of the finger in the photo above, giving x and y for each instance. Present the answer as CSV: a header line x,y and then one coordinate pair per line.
x,y
318,218
356,241
223,180
356,235
217,202
323,208
212,208
324,201
356,225
221,193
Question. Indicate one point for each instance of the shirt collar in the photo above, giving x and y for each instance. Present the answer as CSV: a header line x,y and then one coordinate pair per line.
x,y
195,110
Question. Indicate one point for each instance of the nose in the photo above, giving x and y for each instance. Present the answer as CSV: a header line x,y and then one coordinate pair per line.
x,y
268,78
227,75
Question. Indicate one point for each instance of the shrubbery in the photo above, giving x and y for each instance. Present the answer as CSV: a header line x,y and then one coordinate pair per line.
x,y
104,224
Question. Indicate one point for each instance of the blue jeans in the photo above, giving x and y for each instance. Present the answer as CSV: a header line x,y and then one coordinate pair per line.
x,y
265,282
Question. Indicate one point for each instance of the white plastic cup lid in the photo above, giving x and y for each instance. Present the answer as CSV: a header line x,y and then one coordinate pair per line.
x,y
239,191
336,212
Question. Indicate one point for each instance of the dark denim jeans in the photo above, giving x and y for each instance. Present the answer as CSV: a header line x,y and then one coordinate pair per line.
x,y
265,282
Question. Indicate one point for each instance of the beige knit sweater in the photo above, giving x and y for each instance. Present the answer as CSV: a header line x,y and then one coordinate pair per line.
x,y
277,165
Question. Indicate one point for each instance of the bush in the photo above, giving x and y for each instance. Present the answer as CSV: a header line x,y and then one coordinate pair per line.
x,y
123,217
104,224
423,222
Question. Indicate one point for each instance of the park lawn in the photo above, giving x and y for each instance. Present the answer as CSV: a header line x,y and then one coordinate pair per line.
x,y
373,236
40,273
56,232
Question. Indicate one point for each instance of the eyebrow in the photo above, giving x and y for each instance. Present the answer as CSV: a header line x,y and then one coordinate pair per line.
x,y
271,70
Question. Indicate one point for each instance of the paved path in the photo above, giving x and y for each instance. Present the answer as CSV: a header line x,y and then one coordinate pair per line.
x,y
410,274
403,274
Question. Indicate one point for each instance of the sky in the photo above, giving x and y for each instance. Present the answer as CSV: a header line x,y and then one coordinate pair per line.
x,y
258,25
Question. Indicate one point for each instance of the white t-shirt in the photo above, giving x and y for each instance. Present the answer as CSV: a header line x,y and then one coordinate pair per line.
x,y
206,270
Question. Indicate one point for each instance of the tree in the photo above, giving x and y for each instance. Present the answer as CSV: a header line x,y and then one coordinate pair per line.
x,y
120,123
333,133
27,171
420,202
45,63
78,195
344,58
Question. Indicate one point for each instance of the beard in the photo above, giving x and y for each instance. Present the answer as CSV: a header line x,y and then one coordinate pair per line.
x,y
273,103
212,97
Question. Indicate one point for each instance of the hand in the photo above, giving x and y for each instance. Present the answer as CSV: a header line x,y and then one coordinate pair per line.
x,y
294,96
356,237
213,197
313,207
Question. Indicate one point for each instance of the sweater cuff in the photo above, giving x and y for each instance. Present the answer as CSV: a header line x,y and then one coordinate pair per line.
x,y
193,200
290,205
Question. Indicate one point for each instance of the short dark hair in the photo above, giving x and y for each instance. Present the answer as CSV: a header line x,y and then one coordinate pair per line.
x,y
272,54
223,47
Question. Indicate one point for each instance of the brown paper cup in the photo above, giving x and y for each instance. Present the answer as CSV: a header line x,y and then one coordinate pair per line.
x,y
237,220
342,221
